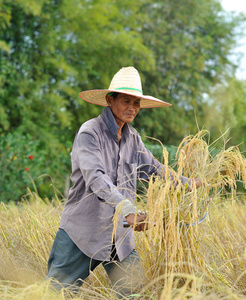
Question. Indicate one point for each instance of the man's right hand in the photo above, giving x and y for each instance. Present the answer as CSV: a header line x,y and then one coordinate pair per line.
x,y
137,223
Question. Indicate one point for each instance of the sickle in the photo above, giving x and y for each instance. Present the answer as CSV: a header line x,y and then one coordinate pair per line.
x,y
126,225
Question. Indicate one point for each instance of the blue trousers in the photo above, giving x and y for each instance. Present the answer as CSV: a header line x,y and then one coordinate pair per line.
x,y
68,266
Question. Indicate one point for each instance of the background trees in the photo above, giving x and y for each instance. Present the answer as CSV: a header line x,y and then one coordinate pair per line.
x,y
225,112
190,41
51,50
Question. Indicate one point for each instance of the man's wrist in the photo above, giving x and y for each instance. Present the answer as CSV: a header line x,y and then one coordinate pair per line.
x,y
126,207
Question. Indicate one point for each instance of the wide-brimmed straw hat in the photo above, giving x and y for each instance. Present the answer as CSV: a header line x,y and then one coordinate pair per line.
x,y
126,81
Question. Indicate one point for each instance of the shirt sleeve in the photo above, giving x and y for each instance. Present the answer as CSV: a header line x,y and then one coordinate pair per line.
x,y
148,165
91,164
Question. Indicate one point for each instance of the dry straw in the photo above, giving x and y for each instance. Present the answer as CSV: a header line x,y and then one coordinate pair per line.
x,y
169,203
205,261
171,208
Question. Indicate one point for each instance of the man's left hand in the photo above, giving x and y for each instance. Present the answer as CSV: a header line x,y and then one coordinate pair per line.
x,y
137,223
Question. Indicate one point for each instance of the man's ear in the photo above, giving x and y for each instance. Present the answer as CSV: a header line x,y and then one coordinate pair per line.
x,y
109,100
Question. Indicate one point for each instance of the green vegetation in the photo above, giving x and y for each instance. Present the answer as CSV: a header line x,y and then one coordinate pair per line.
x,y
52,50
23,160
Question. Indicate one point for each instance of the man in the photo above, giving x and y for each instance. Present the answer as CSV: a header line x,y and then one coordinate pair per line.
x,y
107,158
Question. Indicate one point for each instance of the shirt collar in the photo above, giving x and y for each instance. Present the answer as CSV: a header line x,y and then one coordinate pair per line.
x,y
113,127
109,120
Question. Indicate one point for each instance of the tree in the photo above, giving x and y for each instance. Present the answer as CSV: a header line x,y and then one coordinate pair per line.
x,y
50,50
191,41
225,113
57,49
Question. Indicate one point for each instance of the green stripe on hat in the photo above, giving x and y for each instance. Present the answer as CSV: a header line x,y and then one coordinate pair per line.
x,y
127,88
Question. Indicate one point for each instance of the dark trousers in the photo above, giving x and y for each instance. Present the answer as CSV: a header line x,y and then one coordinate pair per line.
x,y
69,267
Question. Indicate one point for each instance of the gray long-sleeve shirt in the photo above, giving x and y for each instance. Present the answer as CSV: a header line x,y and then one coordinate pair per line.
x,y
104,172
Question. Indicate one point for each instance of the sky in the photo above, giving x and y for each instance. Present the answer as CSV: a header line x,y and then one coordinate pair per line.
x,y
238,6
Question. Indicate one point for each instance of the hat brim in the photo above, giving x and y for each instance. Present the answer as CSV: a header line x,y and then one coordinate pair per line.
x,y
98,97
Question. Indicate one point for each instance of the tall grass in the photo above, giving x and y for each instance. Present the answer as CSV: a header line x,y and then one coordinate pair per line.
x,y
205,261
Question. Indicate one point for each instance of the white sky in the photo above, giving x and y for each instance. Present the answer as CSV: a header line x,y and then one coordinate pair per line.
x,y
238,6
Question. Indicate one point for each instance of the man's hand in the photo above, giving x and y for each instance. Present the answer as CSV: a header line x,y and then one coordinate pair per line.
x,y
138,223
198,182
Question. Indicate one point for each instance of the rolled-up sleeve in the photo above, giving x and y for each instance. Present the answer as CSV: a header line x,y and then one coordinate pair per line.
x,y
92,166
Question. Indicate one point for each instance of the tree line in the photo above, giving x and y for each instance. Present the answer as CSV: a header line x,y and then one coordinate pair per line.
x,y
50,50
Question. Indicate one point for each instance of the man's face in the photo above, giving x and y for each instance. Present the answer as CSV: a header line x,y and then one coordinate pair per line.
x,y
124,108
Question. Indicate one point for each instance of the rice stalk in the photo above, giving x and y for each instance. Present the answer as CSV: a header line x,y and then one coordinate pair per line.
x,y
174,245
205,261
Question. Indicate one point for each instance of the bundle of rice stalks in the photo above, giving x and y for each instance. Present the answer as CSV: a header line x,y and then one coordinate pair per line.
x,y
168,200
194,159
172,233
219,172
175,211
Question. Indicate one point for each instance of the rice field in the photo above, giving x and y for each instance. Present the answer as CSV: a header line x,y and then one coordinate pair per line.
x,y
180,261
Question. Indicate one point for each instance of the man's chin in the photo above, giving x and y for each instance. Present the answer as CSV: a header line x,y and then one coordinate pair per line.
x,y
129,119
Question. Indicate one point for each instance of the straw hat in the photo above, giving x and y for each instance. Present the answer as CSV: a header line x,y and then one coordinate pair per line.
x,y
126,81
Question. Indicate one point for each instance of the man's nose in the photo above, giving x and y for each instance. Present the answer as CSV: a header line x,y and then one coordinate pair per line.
x,y
131,106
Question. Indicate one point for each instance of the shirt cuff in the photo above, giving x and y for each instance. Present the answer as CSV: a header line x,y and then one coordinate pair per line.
x,y
126,207
186,182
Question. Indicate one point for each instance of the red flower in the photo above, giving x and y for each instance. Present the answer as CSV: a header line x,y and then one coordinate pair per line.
x,y
30,157
26,169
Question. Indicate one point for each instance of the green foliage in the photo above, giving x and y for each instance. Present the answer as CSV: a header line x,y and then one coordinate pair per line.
x,y
22,162
52,50
191,41
58,48
225,112
157,151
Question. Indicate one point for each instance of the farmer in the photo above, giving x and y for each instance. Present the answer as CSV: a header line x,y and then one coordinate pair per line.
x,y
107,158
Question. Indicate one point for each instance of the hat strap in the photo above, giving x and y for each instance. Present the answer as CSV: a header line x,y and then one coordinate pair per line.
x,y
127,88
